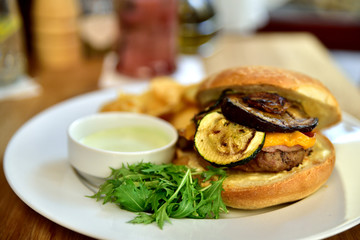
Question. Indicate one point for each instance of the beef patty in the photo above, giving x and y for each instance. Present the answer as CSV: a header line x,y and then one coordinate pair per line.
x,y
274,161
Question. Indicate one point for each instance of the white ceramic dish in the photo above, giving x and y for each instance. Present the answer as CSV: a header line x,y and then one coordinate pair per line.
x,y
38,171
96,161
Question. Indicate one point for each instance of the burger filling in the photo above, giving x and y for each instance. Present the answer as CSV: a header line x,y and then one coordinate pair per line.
x,y
281,151
258,132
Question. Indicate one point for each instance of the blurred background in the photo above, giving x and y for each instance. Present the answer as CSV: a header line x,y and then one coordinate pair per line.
x,y
54,50
60,34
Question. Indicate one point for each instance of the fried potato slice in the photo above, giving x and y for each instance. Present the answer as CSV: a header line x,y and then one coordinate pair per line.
x,y
181,119
125,102
165,98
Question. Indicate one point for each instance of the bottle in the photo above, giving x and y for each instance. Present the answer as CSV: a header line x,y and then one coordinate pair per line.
x,y
197,25
12,61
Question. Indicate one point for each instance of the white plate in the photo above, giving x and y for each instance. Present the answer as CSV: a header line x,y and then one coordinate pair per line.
x,y
37,169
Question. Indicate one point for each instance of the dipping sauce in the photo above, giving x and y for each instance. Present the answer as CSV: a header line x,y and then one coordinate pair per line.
x,y
127,139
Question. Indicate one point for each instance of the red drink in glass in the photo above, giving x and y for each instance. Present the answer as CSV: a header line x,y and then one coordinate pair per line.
x,y
148,37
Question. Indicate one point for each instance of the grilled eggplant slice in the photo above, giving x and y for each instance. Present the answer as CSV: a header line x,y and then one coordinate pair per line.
x,y
267,112
224,143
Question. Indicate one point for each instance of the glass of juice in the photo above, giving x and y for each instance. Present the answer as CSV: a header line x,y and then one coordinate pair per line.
x,y
147,44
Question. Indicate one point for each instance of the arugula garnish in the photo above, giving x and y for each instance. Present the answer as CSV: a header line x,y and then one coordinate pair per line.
x,y
161,192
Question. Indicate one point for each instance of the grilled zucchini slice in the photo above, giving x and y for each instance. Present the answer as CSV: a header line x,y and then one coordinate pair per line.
x,y
224,143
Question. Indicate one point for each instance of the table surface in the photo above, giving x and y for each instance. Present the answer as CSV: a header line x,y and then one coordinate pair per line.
x,y
18,221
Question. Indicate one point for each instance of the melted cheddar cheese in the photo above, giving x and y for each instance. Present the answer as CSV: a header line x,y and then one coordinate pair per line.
x,y
289,139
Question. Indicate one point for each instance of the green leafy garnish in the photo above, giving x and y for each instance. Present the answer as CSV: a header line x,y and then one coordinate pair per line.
x,y
161,192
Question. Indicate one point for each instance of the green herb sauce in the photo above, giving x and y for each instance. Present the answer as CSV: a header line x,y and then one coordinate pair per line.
x,y
127,139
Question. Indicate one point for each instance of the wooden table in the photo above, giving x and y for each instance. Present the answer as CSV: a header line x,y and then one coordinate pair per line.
x,y
17,220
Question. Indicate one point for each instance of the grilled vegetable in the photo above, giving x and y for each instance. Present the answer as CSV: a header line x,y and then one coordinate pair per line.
x,y
225,143
267,112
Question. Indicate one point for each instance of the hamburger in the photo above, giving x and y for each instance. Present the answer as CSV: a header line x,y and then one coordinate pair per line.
x,y
262,125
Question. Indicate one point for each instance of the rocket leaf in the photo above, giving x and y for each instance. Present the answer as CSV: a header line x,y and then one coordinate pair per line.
x,y
161,192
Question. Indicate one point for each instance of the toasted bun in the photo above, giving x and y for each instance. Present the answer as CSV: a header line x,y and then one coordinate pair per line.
x,y
259,190
316,99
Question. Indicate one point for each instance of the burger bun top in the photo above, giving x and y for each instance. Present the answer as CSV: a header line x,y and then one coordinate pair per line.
x,y
316,99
